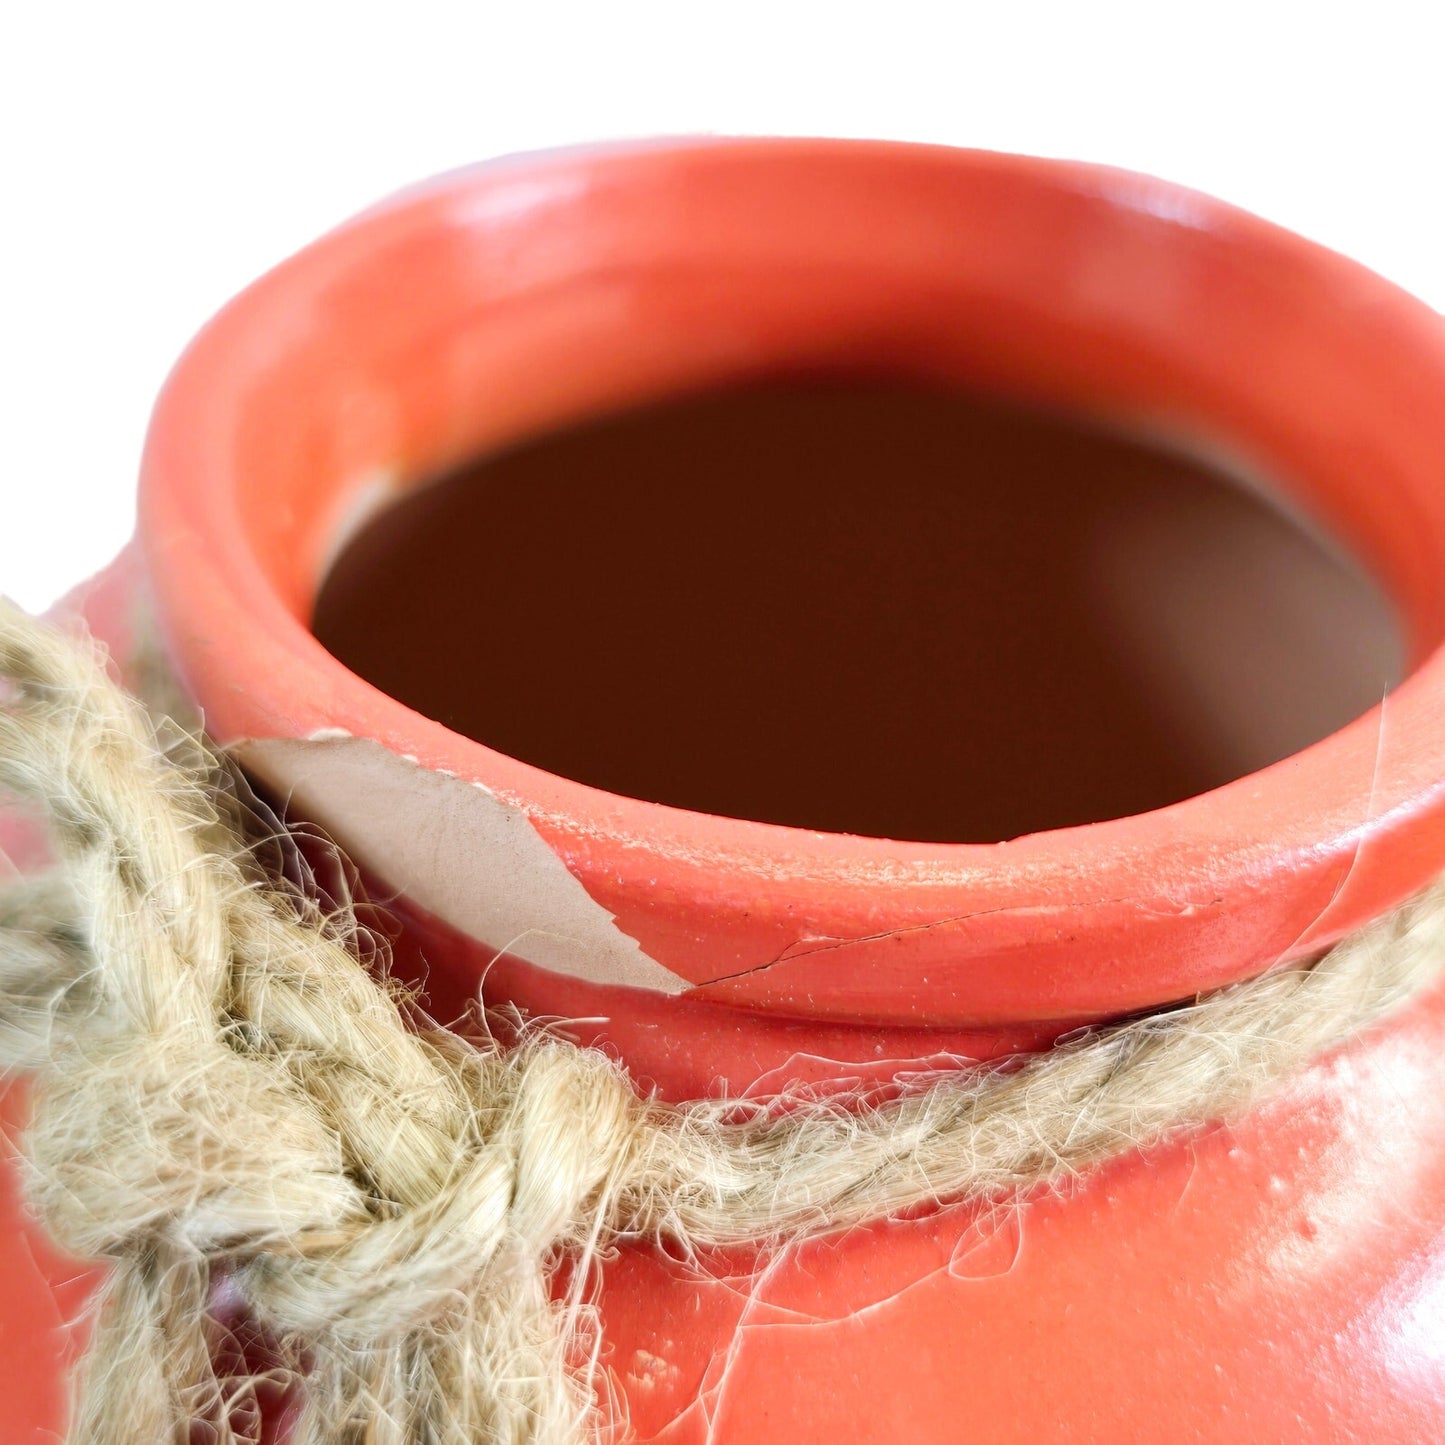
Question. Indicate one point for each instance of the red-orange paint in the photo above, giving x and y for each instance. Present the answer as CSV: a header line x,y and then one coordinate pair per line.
x,y
1283,1280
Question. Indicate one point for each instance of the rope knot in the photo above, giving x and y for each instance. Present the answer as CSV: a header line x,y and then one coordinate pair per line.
x,y
532,1174
572,1129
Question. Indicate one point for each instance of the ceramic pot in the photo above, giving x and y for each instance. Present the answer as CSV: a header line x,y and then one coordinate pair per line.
x,y
1279,1280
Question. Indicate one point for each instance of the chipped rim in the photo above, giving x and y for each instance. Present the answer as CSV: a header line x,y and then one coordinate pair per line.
x,y
558,285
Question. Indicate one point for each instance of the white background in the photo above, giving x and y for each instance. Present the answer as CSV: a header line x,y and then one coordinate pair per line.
x,y
159,156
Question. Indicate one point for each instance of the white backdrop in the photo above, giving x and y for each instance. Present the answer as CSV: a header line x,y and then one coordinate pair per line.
x,y
159,156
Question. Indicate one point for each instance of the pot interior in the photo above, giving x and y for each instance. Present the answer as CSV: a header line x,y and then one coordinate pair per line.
x,y
865,605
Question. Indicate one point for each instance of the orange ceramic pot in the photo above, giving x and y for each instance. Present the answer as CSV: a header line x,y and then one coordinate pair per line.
x,y
1279,1280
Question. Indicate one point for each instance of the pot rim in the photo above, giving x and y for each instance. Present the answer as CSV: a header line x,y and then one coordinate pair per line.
x,y
1072,923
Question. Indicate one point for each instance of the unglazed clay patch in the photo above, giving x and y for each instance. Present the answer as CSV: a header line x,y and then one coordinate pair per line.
x,y
457,850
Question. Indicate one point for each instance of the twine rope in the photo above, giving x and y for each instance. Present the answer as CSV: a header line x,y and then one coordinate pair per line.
x,y
224,1092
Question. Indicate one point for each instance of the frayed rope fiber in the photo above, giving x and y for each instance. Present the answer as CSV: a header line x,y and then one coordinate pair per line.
x,y
224,1093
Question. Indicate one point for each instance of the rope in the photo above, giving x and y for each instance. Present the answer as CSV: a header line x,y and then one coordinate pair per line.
x,y
225,1093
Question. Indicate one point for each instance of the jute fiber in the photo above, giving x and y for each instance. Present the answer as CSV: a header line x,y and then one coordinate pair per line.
x,y
225,1094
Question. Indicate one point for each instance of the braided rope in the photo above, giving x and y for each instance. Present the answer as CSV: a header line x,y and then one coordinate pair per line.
x,y
224,1090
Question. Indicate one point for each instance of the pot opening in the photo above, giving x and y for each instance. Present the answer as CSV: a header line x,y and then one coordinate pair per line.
x,y
866,606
